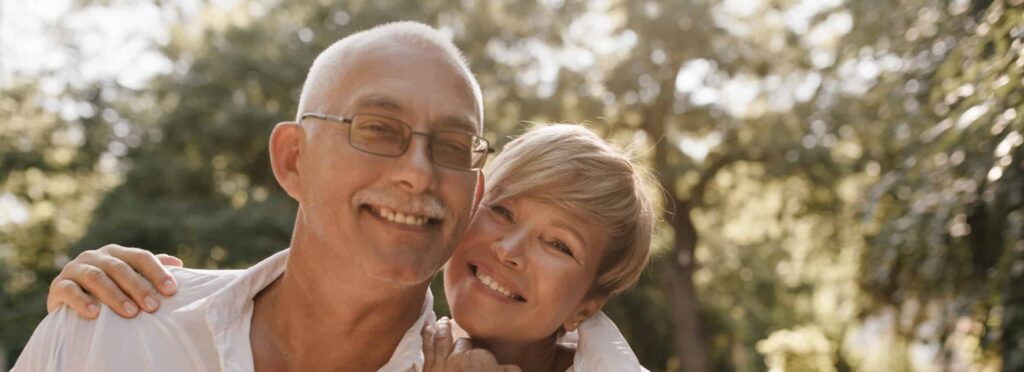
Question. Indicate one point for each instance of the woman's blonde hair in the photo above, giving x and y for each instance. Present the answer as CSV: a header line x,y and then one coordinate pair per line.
x,y
574,168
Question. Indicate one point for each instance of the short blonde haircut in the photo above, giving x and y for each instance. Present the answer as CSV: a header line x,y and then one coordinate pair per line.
x,y
572,167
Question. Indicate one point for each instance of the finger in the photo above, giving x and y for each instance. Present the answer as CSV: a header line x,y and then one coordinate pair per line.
x,y
427,334
107,248
130,281
457,330
479,360
462,345
149,266
442,339
169,260
510,368
64,291
97,283
53,297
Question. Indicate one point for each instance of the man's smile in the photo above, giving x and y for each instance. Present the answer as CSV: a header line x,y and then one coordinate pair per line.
x,y
403,218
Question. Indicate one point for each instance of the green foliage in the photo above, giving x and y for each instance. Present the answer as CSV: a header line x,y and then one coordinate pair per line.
x,y
853,164
51,175
951,208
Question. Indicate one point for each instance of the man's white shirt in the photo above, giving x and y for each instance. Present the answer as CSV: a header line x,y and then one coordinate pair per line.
x,y
204,327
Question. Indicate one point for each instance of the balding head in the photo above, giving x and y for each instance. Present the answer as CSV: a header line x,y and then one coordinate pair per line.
x,y
332,64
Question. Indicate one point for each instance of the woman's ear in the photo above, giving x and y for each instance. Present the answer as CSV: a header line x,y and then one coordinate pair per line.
x,y
587,309
286,144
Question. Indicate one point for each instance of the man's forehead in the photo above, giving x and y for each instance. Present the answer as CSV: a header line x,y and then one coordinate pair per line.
x,y
401,52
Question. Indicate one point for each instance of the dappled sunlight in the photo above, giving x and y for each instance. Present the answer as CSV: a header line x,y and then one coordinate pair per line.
x,y
839,181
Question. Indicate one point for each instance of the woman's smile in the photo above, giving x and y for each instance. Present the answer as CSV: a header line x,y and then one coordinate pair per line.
x,y
489,279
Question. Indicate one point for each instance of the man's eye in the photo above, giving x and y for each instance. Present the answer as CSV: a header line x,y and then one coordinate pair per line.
x,y
378,127
454,148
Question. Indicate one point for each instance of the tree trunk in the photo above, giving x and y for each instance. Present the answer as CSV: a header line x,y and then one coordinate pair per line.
x,y
684,308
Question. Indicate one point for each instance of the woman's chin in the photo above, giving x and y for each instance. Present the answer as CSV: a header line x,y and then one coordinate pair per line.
x,y
479,327
476,328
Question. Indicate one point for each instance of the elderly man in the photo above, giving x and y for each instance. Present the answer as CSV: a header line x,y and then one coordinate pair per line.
x,y
384,159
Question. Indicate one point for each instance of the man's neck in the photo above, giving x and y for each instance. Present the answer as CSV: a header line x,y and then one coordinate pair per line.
x,y
316,317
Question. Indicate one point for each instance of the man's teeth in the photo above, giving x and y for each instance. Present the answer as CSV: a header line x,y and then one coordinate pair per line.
x,y
402,218
494,285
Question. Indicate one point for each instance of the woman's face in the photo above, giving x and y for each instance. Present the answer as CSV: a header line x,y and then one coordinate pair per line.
x,y
523,270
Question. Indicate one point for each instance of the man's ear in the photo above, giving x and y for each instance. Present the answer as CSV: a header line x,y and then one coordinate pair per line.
x,y
479,194
587,309
286,144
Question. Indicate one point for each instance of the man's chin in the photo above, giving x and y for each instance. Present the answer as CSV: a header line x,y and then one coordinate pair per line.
x,y
406,272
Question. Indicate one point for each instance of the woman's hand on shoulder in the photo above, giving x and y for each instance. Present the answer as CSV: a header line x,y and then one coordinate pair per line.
x,y
125,279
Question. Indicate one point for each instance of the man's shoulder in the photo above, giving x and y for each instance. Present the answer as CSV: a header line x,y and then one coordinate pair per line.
x,y
197,284
65,341
201,276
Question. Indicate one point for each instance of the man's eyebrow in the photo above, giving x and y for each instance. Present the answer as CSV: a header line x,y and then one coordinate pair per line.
x,y
380,101
460,123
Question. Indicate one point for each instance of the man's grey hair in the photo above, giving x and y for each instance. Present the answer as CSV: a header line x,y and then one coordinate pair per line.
x,y
320,76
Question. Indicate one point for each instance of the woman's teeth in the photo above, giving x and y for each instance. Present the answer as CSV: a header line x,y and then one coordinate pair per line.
x,y
399,217
494,285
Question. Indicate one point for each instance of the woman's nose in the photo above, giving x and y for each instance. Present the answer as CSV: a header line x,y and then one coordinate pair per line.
x,y
509,249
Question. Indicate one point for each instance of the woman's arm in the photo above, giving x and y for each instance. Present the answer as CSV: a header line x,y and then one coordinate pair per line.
x,y
125,279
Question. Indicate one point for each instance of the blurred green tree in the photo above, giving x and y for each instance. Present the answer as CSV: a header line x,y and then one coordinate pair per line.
x,y
56,165
823,164
949,208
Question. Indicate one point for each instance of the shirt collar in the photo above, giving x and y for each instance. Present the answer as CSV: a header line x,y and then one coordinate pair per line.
x,y
229,311
228,314
601,347
408,356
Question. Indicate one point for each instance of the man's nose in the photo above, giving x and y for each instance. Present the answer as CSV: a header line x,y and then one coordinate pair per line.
x,y
414,172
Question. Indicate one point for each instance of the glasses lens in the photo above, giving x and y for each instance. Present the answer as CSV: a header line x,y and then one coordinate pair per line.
x,y
458,150
379,135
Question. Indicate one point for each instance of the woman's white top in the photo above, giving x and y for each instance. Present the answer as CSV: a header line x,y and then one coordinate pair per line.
x,y
600,347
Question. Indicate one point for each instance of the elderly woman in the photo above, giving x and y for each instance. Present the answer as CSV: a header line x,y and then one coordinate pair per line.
x,y
564,224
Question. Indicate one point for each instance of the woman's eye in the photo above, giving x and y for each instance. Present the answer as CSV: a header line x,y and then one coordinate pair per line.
x,y
503,212
562,247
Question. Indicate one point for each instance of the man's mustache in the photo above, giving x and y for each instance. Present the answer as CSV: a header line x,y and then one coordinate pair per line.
x,y
427,205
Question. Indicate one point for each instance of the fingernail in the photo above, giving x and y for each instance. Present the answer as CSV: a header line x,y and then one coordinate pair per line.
x,y
169,285
93,309
150,303
130,308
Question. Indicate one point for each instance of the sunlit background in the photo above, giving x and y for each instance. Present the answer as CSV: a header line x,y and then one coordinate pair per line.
x,y
841,181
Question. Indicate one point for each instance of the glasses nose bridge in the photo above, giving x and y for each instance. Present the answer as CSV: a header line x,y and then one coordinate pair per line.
x,y
426,135
429,138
